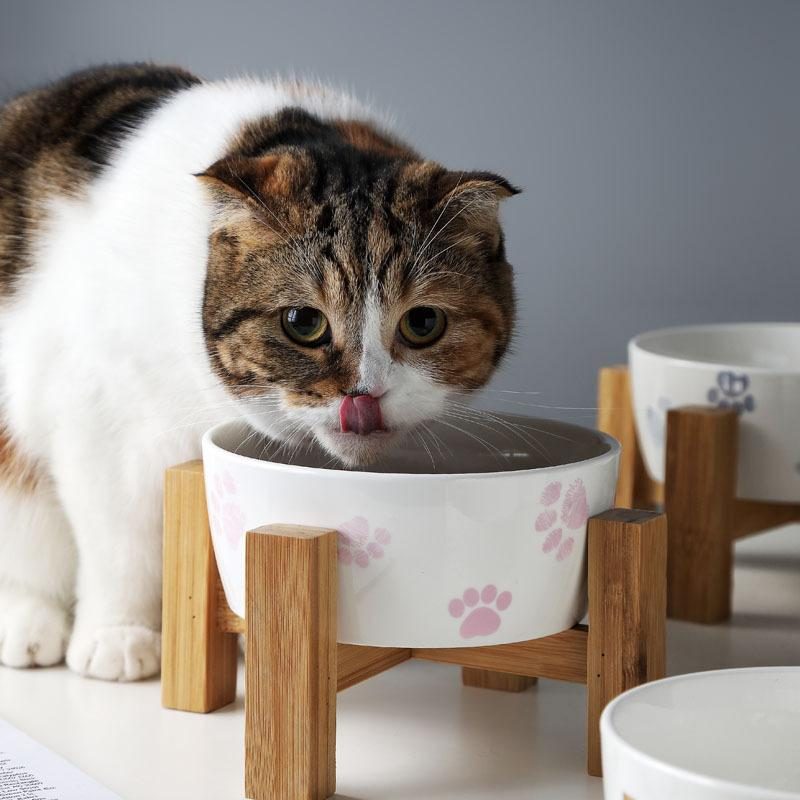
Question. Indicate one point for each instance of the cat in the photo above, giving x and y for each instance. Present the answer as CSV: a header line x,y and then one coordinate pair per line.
x,y
176,252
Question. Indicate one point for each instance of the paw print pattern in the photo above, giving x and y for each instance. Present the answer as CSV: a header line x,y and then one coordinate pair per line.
x,y
483,618
657,419
572,515
223,505
730,392
355,545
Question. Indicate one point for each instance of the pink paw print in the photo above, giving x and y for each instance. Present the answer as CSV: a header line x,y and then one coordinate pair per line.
x,y
225,512
572,515
355,544
483,619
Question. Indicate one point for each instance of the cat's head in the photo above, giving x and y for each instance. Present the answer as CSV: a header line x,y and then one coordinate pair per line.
x,y
351,287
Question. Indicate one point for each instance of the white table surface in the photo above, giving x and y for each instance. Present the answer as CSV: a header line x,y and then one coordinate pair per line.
x,y
410,733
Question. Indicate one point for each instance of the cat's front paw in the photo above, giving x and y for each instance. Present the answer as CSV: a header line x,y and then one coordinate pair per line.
x,y
33,631
115,653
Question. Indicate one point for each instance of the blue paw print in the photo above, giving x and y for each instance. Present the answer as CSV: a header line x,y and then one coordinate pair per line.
x,y
730,392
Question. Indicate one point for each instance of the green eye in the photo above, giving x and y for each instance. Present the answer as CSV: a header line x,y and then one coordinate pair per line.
x,y
422,325
306,326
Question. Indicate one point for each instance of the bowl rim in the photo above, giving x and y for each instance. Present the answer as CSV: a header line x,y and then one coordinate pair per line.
x,y
639,343
697,778
614,449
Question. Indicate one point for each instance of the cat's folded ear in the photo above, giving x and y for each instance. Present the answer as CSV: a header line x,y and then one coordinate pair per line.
x,y
468,203
470,187
274,176
265,187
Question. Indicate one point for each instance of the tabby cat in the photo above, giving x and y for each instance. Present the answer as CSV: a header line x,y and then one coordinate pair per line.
x,y
175,252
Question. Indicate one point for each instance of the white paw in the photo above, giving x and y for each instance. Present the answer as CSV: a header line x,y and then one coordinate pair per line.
x,y
33,631
115,653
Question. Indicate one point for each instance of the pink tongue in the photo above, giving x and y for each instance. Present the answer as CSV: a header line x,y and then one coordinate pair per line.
x,y
360,414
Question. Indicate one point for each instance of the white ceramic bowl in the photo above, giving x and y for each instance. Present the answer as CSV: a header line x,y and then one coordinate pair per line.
x,y
752,367
488,549
724,735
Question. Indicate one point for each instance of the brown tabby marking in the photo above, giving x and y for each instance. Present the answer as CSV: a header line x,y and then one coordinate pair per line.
x,y
15,470
54,140
365,137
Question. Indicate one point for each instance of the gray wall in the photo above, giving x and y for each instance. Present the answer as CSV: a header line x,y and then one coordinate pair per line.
x,y
658,141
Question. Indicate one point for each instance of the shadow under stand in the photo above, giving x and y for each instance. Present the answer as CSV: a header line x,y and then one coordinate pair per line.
x,y
698,496
295,667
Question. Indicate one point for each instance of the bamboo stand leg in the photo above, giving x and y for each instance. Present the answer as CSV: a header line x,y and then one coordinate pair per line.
x,y
500,681
291,669
700,495
198,663
635,487
627,606
615,417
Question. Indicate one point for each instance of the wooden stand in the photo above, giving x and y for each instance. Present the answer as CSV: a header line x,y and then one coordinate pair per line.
x,y
698,495
294,667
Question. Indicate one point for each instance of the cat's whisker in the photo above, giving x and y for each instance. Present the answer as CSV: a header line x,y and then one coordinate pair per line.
x,y
514,428
477,420
516,424
508,391
546,406
488,445
419,436
438,441
519,428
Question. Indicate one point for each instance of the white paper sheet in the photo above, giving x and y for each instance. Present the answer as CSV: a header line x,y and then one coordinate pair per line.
x,y
29,771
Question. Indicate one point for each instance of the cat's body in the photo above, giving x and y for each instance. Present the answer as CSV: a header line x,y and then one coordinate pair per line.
x,y
134,296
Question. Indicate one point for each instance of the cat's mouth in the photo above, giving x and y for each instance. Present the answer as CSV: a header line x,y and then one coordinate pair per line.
x,y
362,435
361,415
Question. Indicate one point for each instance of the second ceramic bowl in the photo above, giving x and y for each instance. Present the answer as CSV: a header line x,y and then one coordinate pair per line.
x,y
489,548
751,367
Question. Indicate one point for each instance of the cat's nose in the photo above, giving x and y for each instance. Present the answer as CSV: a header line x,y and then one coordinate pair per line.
x,y
360,413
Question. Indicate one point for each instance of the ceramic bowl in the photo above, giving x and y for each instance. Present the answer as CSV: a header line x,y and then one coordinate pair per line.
x,y
479,541
724,735
752,367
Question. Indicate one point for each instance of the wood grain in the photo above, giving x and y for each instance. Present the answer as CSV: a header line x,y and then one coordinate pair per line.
x,y
498,681
290,656
648,494
701,472
227,620
627,608
198,661
615,417
561,656
357,662
751,516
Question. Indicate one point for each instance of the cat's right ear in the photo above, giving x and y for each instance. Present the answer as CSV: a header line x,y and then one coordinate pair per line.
x,y
266,187
240,178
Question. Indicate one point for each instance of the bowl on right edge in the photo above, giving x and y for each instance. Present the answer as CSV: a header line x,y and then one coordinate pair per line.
x,y
751,367
722,735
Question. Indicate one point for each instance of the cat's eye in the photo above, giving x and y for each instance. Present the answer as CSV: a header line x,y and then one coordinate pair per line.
x,y
306,326
422,325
